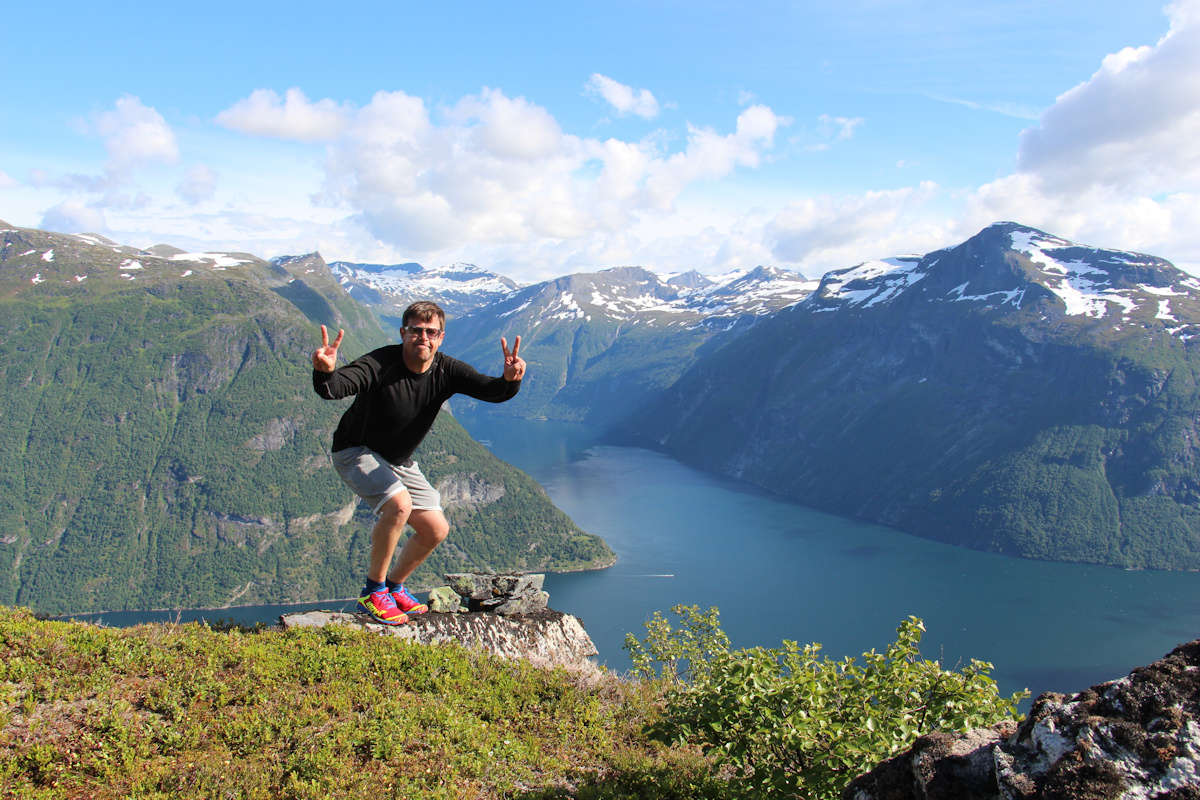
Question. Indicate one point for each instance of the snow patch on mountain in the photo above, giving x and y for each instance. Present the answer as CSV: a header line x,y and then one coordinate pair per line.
x,y
218,261
633,296
871,282
1085,288
458,288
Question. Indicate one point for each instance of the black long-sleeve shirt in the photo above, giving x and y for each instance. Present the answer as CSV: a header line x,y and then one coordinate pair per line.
x,y
395,407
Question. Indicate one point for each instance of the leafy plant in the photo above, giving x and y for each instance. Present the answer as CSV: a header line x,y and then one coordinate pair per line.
x,y
790,722
685,654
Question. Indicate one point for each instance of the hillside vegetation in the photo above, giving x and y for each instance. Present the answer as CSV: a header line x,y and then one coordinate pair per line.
x,y
187,711
161,445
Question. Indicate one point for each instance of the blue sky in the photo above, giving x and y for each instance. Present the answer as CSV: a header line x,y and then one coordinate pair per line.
x,y
544,138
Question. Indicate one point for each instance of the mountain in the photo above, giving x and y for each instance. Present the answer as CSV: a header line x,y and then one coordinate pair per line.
x,y
457,288
1017,393
600,344
161,445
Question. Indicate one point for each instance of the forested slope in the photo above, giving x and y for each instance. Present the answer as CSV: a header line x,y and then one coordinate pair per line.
x,y
161,446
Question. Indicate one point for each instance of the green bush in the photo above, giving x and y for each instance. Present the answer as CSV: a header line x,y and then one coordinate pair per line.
x,y
789,722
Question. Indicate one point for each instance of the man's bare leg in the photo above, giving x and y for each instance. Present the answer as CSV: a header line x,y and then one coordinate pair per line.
x,y
393,516
429,529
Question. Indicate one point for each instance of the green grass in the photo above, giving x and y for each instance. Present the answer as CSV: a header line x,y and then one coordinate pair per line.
x,y
185,710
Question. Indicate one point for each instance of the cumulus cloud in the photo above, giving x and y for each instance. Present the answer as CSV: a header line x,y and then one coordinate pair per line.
x,y
135,135
7,181
1114,160
710,155
199,183
73,216
623,98
1133,125
497,169
293,116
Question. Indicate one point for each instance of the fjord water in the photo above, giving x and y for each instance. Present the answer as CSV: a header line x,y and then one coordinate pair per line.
x,y
779,571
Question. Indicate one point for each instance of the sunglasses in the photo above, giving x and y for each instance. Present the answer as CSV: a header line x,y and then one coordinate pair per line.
x,y
429,333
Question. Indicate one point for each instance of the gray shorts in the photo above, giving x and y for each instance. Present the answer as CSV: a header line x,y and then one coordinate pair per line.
x,y
375,480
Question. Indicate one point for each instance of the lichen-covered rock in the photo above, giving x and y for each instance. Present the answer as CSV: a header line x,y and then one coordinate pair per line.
x,y
477,586
1137,738
445,600
546,637
522,604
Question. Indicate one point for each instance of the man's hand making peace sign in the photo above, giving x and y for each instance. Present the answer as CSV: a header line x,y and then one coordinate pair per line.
x,y
325,356
514,365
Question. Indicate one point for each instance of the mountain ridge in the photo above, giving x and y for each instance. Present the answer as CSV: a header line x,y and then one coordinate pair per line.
x,y
986,394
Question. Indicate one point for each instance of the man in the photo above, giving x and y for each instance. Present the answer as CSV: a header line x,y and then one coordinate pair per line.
x,y
398,391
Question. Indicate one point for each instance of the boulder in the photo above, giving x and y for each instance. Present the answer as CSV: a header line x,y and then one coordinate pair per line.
x,y
444,599
1137,737
481,586
545,638
500,594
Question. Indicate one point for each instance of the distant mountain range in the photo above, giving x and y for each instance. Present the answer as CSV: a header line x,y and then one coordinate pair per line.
x,y
161,445
1017,393
457,288
598,344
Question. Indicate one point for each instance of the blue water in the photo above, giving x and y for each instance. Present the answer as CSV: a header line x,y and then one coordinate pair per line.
x,y
779,571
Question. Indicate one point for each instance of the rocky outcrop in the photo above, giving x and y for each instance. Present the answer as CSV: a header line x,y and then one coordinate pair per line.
x,y
500,594
1137,738
468,492
503,614
545,638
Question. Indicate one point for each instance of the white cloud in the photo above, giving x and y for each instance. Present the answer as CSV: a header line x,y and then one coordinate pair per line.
x,y
1017,110
500,170
710,155
623,98
73,216
1114,161
294,116
838,128
1132,126
7,181
826,232
199,183
135,136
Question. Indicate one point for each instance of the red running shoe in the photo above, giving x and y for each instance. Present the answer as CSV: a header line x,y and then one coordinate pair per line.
x,y
382,607
406,602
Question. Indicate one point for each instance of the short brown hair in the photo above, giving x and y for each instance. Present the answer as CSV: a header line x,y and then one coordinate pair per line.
x,y
424,311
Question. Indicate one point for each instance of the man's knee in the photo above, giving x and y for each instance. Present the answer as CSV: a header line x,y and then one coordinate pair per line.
x,y
431,527
398,506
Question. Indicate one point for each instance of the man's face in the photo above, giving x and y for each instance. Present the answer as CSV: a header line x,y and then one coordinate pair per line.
x,y
421,338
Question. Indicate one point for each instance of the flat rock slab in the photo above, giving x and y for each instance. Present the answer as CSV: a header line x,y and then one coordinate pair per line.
x,y
546,637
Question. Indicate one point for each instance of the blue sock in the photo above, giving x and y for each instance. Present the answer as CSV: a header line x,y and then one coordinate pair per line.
x,y
374,586
392,585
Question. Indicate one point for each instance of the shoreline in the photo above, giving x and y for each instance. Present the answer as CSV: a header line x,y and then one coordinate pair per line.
x,y
83,617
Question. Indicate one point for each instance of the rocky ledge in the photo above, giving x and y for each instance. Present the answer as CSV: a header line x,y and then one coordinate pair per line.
x,y
1133,738
515,623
